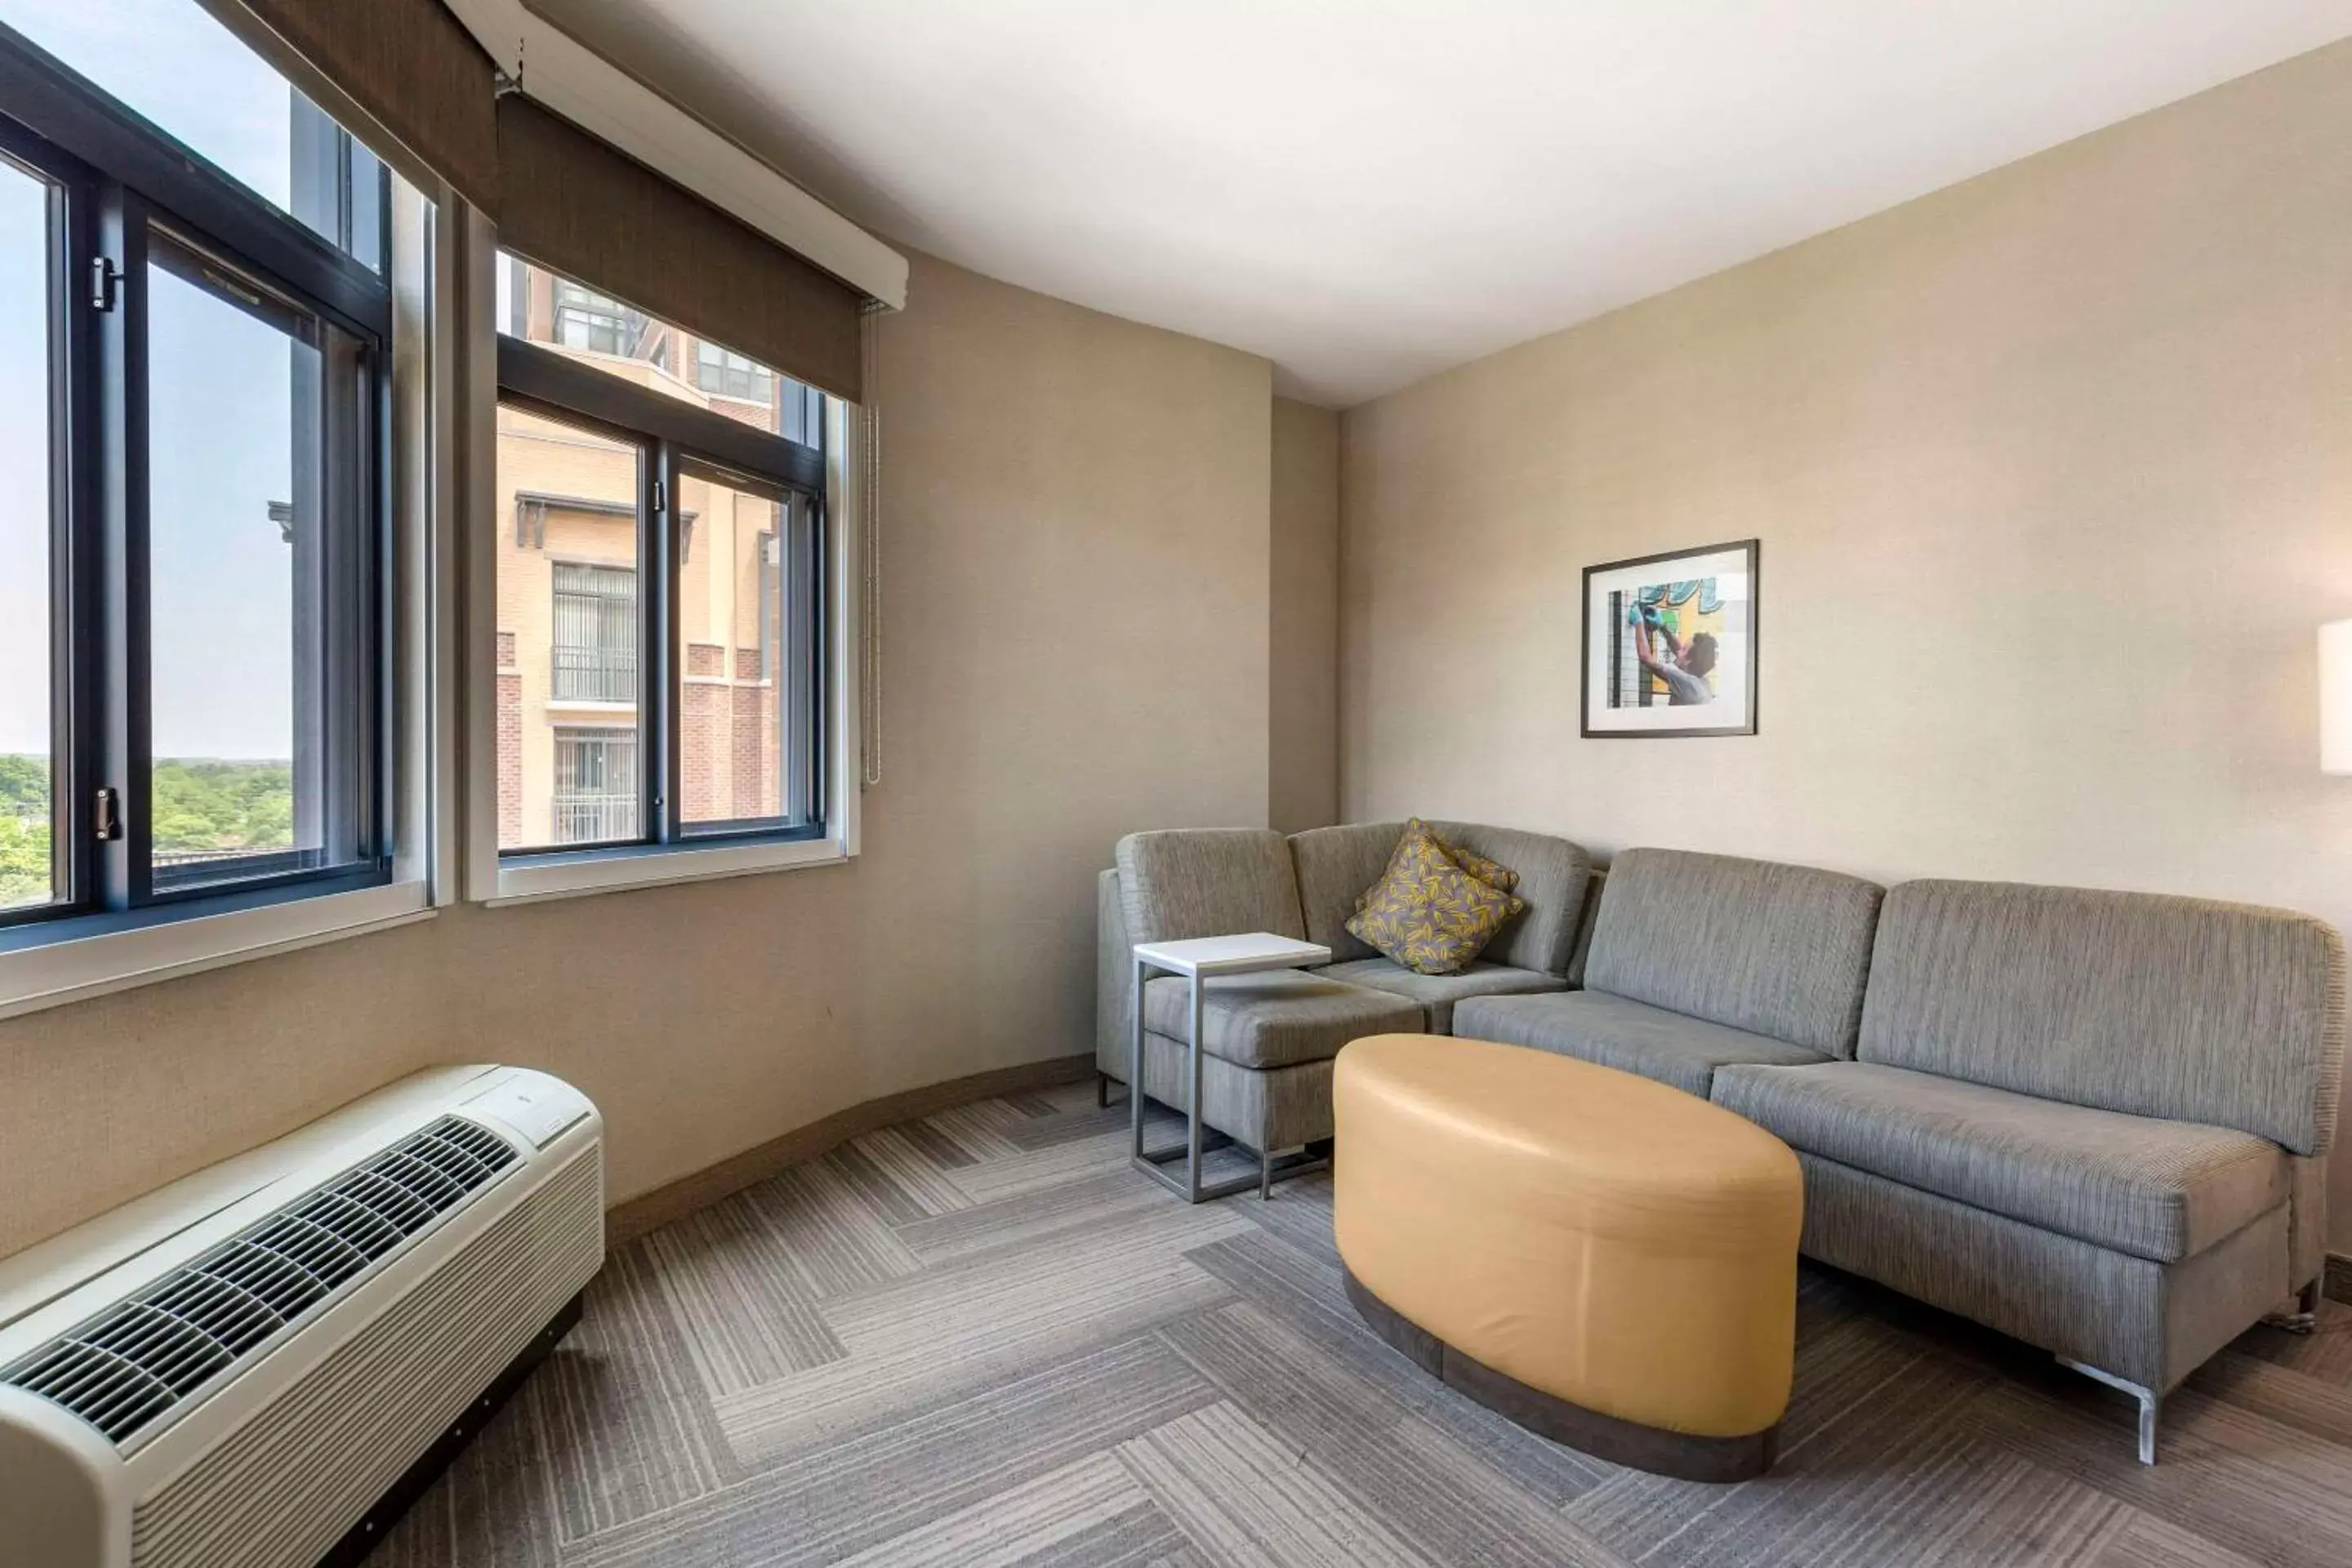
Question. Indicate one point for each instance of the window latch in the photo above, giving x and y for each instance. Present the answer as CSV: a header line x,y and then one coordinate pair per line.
x,y
105,278
108,818
661,497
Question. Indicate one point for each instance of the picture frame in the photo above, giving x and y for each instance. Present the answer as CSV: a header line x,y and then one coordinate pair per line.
x,y
1670,643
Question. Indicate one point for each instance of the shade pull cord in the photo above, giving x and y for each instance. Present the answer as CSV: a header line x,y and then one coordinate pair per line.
x,y
870,547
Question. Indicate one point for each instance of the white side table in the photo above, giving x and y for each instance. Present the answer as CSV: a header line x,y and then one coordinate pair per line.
x,y
1196,960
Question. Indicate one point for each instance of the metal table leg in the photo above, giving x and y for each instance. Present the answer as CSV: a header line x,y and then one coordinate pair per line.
x,y
1200,1139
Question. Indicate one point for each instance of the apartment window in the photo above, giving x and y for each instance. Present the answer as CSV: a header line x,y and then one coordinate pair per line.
x,y
662,607
596,787
596,652
726,373
194,358
592,321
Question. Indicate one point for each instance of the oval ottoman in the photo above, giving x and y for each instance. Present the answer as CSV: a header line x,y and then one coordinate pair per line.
x,y
1606,1260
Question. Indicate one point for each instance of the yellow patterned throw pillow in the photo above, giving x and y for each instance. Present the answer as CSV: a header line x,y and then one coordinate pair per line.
x,y
1428,913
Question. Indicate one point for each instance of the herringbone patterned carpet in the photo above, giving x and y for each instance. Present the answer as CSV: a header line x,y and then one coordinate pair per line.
x,y
979,1339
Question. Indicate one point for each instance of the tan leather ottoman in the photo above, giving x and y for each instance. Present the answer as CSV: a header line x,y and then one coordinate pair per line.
x,y
1606,1260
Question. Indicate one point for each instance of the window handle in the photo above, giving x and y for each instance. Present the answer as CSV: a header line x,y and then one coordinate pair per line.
x,y
108,818
105,280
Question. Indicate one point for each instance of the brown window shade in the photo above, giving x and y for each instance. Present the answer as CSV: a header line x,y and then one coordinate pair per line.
x,y
412,65
576,207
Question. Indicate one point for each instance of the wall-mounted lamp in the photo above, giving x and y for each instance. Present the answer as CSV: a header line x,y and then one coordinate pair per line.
x,y
2336,698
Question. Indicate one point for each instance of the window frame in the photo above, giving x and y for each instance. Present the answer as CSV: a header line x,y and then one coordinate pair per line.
x,y
540,379
120,191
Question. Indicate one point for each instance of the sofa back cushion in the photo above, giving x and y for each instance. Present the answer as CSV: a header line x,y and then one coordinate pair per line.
x,y
1554,877
1771,949
1336,866
1207,882
2198,1011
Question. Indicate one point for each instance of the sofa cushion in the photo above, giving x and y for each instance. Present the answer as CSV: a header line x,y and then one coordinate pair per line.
x,y
1554,877
1426,912
1277,1018
1437,993
2159,1190
1775,950
1616,1032
1217,881
2183,1008
1337,864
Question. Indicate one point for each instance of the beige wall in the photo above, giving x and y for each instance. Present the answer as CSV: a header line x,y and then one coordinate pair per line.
x,y
1303,740
1075,623
2054,476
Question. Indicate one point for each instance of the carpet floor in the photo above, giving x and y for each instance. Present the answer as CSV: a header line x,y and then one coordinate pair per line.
x,y
979,1339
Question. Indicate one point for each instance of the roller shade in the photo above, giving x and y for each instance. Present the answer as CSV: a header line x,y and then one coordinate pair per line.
x,y
407,64
575,205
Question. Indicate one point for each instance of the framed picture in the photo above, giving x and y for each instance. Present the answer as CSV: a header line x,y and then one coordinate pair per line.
x,y
1670,643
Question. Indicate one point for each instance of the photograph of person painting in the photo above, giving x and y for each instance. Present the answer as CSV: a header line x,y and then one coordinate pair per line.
x,y
1684,668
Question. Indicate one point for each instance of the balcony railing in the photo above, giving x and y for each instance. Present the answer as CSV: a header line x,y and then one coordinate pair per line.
x,y
595,819
595,673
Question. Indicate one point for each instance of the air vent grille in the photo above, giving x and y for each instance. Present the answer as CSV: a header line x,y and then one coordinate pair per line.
x,y
147,1353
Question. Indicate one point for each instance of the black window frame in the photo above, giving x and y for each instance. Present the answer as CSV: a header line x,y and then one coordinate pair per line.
x,y
123,189
674,437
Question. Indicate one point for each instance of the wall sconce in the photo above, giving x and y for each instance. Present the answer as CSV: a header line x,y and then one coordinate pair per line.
x,y
2336,698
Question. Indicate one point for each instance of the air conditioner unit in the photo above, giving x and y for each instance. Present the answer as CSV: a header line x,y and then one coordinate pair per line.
x,y
261,1365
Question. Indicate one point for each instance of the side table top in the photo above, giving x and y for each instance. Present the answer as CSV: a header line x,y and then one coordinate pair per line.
x,y
1241,954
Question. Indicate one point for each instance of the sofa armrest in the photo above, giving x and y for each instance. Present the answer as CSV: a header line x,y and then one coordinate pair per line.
x,y
1113,979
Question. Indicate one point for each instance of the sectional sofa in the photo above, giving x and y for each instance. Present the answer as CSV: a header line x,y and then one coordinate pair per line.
x,y
2097,1121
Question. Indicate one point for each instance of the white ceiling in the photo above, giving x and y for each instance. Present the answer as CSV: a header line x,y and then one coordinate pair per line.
x,y
1369,191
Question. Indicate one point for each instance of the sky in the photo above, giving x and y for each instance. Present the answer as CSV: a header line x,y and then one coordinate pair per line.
x,y
220,401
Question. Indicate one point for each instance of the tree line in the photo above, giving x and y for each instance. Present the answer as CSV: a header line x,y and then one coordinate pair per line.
x,y
199,804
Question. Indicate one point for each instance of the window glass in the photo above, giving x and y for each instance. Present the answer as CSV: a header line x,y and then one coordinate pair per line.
x,y
732,715
236,386
28,807
596,785
730,375
569,679
171,63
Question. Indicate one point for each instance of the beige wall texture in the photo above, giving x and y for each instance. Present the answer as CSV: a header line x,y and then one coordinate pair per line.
x,y
1076,566
1303,742
2054,476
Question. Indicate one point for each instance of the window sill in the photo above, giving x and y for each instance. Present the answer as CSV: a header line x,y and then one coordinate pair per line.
x,y
57,973
528,882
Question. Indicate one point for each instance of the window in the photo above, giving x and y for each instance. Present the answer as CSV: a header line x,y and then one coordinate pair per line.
x,y
595,634
592,321
28,719
195,323
596,790
661,570
729,375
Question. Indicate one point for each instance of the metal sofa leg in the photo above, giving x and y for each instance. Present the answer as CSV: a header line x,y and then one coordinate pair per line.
x,y
2150,1403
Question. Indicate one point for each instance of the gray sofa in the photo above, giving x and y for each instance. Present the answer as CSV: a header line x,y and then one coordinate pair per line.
x,y
1268,1040
2097,1121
